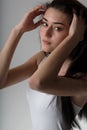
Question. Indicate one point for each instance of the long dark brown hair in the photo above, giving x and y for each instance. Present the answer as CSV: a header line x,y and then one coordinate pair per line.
x,y
79,61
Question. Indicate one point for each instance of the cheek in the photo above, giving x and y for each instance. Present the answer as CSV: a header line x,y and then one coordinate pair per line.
x,y
62,36
59,38
41,32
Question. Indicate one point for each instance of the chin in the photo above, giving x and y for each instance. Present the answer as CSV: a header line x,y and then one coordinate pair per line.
x,y
47,50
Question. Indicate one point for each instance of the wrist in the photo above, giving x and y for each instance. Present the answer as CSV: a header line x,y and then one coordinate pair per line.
x,y
73,39
17,29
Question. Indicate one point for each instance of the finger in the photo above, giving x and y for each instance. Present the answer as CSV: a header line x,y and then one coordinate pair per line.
x,y
74,24
39,7
35,12
38,12
74,20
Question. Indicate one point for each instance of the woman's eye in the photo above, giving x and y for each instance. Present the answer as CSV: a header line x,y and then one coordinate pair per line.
x,y
58,29
44,24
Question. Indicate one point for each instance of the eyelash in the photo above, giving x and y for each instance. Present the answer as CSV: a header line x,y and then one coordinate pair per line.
x,y
58,29
44,24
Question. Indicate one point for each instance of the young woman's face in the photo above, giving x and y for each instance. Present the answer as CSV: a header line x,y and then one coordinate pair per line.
x,y
54,29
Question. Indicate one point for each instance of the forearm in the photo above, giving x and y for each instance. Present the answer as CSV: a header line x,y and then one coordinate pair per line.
x,y
25,25
50,68
8,51
56,59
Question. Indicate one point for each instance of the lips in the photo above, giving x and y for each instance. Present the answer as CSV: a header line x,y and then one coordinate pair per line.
x,y
45,42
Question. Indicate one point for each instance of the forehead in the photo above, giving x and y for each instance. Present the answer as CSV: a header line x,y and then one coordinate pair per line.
x,y
55,15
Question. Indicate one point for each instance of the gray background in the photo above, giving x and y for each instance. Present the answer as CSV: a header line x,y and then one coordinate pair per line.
x,y
14,110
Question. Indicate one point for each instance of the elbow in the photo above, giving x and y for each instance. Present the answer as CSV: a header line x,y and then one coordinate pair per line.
x,y
35,83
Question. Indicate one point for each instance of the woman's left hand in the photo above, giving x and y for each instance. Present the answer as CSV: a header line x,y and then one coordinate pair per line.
x,y
77,27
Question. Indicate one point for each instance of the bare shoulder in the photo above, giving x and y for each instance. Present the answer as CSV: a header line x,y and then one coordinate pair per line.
x,y
36,58
40,56
24,70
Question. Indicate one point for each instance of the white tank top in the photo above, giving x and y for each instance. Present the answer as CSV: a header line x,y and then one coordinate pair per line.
x,y
45,110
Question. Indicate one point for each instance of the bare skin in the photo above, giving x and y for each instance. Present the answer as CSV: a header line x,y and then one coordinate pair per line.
x,y
57,37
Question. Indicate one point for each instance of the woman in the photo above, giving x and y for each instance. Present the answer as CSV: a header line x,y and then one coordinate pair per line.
x,y
57,74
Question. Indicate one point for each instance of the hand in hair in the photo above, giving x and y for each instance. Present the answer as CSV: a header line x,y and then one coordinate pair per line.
x,y
27,23
77,28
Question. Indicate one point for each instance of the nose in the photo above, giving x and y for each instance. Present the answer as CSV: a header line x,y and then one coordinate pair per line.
x,y
48,32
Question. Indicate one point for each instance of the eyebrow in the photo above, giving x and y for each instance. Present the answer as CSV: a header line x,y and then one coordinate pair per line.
x,y
53,22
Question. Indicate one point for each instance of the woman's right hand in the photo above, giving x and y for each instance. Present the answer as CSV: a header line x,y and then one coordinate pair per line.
x,y
27,23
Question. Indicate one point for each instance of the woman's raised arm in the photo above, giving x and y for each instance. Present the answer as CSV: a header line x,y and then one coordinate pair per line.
x,y
26,24
46,78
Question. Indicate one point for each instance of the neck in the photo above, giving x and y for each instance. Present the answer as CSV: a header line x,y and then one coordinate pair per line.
x,y
46,53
